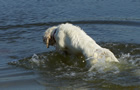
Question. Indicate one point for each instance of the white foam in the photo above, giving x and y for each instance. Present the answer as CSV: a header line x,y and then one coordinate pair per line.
x,y
129,59
101,67
35,59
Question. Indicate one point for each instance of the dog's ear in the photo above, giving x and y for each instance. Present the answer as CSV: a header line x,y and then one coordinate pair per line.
x,y
47,41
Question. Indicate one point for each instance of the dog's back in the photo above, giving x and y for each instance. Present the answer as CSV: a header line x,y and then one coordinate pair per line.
x,y
75,40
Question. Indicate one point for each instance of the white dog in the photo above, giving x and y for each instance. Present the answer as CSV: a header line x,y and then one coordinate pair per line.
x,y
74,40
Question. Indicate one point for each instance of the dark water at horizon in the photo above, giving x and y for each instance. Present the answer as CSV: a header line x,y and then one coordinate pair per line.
x,y
27,64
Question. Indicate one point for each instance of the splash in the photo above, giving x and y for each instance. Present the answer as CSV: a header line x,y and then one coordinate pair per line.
x,y
52,66
101,67
130,59
59,62
33,62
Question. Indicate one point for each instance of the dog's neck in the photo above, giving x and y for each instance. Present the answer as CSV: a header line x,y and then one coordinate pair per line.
x,y
53,33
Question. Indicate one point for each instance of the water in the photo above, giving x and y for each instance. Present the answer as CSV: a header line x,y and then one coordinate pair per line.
x,y
26,63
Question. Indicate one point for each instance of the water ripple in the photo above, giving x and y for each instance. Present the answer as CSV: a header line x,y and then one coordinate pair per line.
x,y
116,22
53,66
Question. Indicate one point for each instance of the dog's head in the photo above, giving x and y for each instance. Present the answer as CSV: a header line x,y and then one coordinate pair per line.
x,y
48,38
